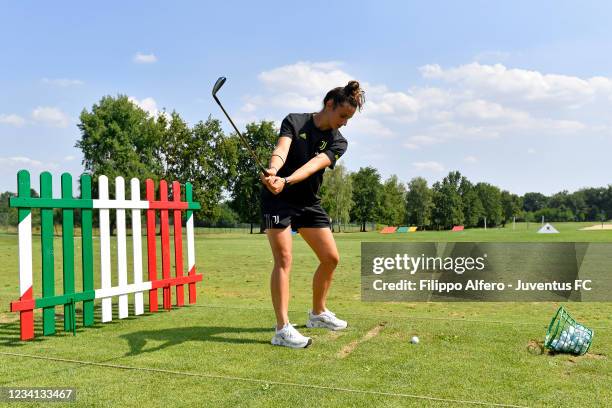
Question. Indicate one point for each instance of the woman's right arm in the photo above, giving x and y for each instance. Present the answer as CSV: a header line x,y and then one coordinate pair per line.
x,y
277,160
279,155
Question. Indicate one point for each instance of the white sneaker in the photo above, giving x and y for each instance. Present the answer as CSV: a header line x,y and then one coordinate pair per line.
x,y
327,320
288,336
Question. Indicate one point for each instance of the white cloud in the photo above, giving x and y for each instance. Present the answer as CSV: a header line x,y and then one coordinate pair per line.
x,y
141,58
528,85
411,146
69,158
370,127
50,116
148,105
20,161
249,107
62,82
429,166
472,108
302,86
392,103
10,165
449,112
12,119
305,78
485,110
531,150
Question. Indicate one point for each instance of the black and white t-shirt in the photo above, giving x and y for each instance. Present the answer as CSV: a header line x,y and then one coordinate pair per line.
x,y
307,142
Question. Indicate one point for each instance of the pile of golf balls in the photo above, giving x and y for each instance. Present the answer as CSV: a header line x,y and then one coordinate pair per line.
x,y
572,340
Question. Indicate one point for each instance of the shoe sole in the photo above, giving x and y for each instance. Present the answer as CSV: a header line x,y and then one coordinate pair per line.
x,y
321,325
308,343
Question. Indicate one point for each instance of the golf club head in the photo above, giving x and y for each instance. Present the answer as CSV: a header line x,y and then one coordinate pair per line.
x,y
218,85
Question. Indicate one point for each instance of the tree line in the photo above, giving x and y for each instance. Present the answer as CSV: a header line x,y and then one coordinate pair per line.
x,y
454,200
118,138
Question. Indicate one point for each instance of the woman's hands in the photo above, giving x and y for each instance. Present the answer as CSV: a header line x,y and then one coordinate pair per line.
x,y
273,183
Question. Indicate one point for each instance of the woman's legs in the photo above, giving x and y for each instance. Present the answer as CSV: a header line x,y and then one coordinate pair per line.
x,y
280,243
323,244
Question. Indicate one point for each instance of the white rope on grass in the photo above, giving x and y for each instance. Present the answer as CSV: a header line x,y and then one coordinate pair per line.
x,y
255,380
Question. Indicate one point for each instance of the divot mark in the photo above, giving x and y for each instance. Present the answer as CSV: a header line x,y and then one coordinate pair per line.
x,y
349,348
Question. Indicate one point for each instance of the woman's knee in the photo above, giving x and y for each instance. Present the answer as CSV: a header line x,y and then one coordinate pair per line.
x,y
330,259
283,261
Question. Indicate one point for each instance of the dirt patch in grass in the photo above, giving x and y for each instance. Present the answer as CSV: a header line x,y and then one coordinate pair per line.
x,y
349,348
535,347
597,227
8,318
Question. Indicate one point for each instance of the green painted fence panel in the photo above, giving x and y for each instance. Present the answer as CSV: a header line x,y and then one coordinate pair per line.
x,y
48,263
68,251
87,250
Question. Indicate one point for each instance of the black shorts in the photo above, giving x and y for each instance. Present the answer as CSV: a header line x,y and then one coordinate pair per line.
x,y
278,214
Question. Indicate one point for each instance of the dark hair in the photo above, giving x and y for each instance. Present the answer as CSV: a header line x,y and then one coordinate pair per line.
x,y
351,94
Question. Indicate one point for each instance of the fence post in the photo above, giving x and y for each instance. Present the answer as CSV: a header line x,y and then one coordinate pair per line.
x,y
151,245
105,253
190,243
178,243
165,242
25,256
48,262
68,251
87,249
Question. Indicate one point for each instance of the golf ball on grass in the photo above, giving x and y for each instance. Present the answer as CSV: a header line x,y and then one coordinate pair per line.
x,y
414,340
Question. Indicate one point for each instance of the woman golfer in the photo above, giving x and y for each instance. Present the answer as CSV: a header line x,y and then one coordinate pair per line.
x,y
307,144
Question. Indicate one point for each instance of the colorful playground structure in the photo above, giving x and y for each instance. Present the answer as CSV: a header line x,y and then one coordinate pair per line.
x,y
105,291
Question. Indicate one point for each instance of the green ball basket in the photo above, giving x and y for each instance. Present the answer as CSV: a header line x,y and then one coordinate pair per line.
x,y
565,335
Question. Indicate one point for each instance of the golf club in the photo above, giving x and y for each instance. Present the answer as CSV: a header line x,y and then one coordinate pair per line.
x,y
215,89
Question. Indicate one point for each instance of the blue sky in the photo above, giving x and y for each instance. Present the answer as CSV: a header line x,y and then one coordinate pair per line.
x,y
517,94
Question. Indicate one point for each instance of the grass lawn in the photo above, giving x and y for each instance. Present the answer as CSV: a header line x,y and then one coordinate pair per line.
x,y
217,352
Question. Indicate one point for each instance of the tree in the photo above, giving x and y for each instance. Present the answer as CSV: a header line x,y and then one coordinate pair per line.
x,y
246,187
336,194
224,217
490,196
367,196
419,203
203,156
120,139
393,205
567,203
511,206
472,206
534,201
448,209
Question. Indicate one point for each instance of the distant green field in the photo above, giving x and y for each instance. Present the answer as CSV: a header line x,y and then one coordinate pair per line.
x,y
217,353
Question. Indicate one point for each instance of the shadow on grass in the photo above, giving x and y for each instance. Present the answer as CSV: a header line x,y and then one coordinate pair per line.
x,y
10,333
172,337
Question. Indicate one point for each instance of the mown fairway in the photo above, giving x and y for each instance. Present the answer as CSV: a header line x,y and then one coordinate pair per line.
x,y
217,353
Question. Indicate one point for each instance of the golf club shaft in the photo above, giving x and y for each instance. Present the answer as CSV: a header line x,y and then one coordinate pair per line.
x,y
242,138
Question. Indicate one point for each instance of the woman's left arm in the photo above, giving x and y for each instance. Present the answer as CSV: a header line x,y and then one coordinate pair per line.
x,y
319,162
325,159
313,165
